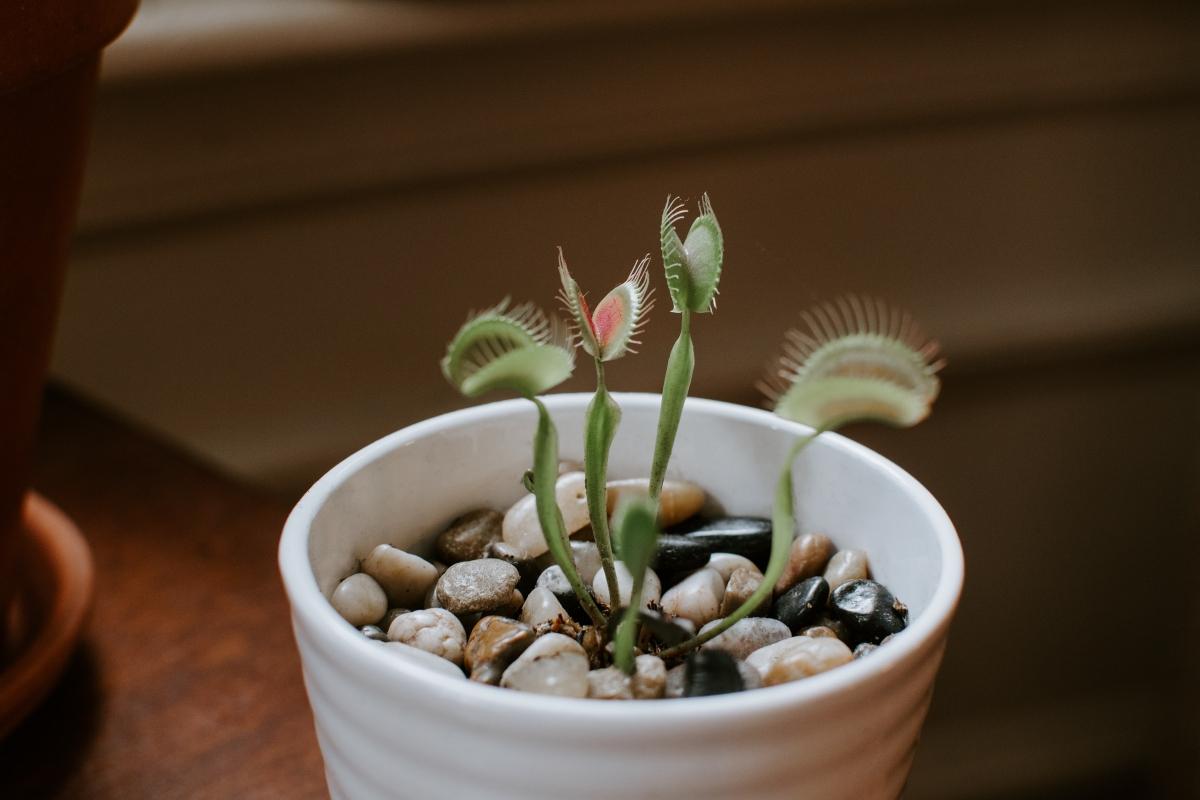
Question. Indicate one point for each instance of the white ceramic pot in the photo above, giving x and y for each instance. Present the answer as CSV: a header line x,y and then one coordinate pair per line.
x,y
390,728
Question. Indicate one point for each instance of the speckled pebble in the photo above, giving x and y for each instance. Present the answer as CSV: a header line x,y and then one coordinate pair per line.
x,y
360,600
609,683
651,587
373,632
405,578
808,556
649,677
742,584
434,630
845,566
492,646
678,500
747,635
697,597
469,536
554,664
480,585
810,656
521,527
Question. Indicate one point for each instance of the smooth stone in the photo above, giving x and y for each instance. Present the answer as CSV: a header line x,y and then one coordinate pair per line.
x,y
678,500
746,635
864,649
434,630
710,672
521,527
750,677
480,585
528,568
649,677
845,566
360,600
542,608
554,580
554,664
651,587
373,632
609,683
419,657
742,584
391,615
673,687
819,631
696,598
868,610
801,606
494,643
744,536
405,578
764,657
808,556
677,553
729,563
469,536
587,560
811,656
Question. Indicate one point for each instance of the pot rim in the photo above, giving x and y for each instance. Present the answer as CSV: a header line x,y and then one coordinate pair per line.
x,y
313,612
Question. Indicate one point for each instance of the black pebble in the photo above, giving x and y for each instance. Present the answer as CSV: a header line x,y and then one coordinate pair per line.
x,y
868,610
677,553
711,672
666,632
801,606
744,536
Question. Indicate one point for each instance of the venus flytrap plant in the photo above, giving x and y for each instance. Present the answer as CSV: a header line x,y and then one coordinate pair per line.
x,y
518,350
693,270
857,361
605,334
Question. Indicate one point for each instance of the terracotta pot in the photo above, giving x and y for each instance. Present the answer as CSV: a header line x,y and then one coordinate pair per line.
x,y
49,55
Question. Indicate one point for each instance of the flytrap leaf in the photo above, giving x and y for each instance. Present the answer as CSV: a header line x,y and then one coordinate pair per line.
x,y
502,348
855,360
693,265
635,529
612,330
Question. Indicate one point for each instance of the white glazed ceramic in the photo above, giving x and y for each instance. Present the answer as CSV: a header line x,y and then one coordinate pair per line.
x,y
391,729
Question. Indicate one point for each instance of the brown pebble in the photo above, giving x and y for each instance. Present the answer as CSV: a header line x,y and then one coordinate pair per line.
x,y
809,555
820,632
743,582
494,643
469,536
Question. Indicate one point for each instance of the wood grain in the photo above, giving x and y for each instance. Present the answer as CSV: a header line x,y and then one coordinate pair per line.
x,y
187,684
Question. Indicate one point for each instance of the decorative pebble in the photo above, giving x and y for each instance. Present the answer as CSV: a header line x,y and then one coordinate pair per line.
x,y
810,656
743,536
391,615
677,501
554,664
819,632
710,672
469,536
553,580
864,649
373,632
360,600
808,556
728,563
762,658
609,683
846,565
405,578
697,597
750,677
743,583
673,687
587,559
434,630
492,646
479,585
800,606
746,635
676,554
649,677
521,527
542,608
428,661
651,586
869,611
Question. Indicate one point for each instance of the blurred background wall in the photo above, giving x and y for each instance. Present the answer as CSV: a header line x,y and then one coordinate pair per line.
x,y
292,203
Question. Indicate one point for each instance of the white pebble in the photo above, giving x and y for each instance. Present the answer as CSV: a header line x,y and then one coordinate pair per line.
x,y
428,661
809,657
405,578
360,600
697,597
676,677
767,657
554,664
846,566
651,586
521,527
434,630
649,677
609,683
726,563
747,635
542,607
587,559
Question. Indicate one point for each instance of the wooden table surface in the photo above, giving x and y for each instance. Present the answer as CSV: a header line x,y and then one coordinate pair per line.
x,y
187,683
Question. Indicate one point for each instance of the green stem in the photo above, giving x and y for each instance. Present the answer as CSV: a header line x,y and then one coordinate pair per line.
x,y
545,476
627,631
603,417
783,525
676,382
